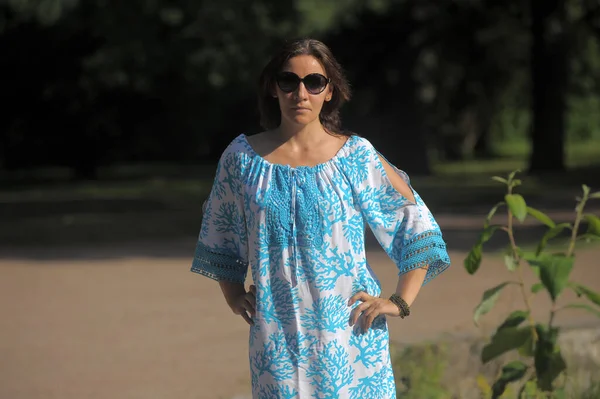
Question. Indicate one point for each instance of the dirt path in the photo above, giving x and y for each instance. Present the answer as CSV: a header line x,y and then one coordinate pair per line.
x,y
148,328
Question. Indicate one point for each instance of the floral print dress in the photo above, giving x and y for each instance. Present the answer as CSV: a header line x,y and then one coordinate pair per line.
x,y
301,232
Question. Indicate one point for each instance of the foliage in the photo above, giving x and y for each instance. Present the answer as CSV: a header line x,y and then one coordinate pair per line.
x,y
541,361
421,370
157,80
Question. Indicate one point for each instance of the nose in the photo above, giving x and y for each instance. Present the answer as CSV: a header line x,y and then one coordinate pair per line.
x,y
301,93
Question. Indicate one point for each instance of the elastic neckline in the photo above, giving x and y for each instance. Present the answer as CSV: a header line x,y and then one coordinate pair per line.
x,y
308,168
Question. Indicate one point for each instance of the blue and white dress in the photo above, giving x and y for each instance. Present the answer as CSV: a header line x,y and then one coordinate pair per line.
x,y
302,233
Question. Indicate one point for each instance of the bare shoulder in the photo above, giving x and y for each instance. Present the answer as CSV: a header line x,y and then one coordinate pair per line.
x,y
397,181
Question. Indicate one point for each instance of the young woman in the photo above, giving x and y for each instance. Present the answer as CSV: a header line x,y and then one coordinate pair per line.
x,y
292,204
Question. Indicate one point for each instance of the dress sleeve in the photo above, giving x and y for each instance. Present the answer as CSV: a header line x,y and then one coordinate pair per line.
x,y
221,250
406,230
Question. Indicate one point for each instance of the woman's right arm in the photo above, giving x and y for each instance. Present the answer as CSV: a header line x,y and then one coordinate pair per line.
x,y
221,250
241,302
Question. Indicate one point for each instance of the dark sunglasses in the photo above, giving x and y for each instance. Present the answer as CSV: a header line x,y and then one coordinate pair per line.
x,y
315,83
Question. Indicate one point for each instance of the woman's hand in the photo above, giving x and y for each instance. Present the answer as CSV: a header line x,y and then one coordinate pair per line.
x,y
370,308
245,305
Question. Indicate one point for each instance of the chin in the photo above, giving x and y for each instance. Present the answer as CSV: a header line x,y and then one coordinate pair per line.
x,y
302,119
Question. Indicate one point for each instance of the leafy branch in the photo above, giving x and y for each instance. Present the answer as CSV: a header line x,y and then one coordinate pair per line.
x,y
542,361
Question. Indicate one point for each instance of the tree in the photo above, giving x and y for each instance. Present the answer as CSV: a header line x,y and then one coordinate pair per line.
x,y
549,77
385,107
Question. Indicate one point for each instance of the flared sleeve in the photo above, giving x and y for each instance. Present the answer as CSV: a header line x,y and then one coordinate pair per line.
x,y
221,251
406,230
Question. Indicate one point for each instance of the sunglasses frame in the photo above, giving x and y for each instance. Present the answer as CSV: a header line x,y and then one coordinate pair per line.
x,y
301,80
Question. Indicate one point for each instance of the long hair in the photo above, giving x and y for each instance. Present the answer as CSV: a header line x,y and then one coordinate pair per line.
x,y
270,114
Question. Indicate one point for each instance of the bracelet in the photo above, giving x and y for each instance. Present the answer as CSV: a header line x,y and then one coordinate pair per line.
x,y
402,305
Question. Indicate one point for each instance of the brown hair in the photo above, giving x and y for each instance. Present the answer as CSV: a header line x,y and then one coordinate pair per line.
x,y
270,114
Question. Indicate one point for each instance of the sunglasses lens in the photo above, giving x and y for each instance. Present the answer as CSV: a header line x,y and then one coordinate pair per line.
x,y
315,83
287,82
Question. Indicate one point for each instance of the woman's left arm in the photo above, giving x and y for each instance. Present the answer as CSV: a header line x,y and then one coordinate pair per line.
x,y
409,283
406,230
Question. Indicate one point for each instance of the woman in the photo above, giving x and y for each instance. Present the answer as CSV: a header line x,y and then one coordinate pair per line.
x,y
291,203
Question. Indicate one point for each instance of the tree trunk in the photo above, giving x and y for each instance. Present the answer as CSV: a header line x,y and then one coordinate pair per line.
x,y
549,64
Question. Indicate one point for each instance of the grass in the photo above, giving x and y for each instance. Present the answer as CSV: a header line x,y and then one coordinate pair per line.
x,y
513,155
158,201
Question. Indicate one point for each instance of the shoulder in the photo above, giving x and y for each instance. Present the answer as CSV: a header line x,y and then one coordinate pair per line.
x,y
360,151
363,154
235,157
236,149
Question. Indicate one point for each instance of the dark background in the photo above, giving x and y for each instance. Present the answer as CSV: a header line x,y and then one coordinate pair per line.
x,y
115,112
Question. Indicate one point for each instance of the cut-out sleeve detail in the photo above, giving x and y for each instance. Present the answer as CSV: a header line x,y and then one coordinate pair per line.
x,y
221,251
406,230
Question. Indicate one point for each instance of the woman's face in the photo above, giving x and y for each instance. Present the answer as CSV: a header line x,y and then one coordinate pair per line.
x,y
302,105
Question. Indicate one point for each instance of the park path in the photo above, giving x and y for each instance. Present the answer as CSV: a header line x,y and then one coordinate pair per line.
x,y
113,326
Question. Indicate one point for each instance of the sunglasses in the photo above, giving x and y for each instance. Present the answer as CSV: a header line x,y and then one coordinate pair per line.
x,y
315,83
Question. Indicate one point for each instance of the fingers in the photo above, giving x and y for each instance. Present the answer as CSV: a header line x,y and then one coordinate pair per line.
x,y
366,311
369,316
359,296
355,314
249,305
250,301
247,318
245,305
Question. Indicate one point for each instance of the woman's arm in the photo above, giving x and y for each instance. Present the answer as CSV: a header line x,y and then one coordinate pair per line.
x,y
413,277
410,283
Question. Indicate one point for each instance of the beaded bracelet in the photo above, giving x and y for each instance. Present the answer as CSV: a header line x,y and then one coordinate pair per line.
x,y
402,305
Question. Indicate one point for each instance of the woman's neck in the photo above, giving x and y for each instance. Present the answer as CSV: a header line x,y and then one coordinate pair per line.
x,y
301,135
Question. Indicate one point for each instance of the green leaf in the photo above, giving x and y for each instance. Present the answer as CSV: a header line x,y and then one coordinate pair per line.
x,y
593,225
550,234
583,306
500,179
554,272
541,216
488,301
537,287
555,364
590,294
492,212
528,348
514,319
512,174
510,262
516,204
586,189
513,371
505,340
488,232
548,360
595,195
473,259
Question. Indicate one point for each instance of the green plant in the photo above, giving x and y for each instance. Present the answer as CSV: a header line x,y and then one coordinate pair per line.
x,y
541,359
421,370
